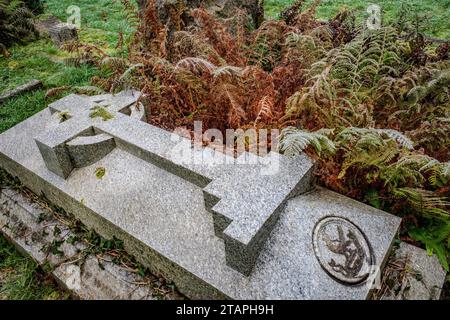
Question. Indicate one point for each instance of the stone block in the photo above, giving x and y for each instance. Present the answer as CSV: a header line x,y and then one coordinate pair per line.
x,y
217,229
62,33
423,277
22,223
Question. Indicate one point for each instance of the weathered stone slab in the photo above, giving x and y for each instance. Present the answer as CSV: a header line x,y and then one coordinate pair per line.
x,y
27,87
161,209
21,222
43,25
423,278
245,203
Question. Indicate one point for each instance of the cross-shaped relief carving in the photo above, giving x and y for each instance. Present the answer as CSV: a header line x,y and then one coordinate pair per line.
x,y
245,204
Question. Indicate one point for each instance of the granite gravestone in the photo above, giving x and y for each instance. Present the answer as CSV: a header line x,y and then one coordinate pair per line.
x,y
218,228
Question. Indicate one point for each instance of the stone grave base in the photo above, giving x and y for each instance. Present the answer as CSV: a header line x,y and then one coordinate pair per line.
x,y
163,219
20,220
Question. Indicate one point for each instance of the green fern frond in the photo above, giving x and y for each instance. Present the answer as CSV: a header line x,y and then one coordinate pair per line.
x,y
362,136
425,202
399,137
16,23
294,141
367,154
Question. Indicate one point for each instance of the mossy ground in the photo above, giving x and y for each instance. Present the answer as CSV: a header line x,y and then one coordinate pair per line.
x,y
101,23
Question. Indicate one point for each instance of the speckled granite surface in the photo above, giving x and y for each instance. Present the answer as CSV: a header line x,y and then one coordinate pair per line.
x,y
160,214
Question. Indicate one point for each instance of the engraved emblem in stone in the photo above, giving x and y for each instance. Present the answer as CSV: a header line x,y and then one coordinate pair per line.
x,y
343,250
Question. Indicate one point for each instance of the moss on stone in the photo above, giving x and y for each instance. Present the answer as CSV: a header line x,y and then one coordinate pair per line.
x,y
101,112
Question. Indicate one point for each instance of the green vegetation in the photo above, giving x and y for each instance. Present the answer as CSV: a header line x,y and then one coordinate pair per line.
x,y
102,21
16,24
20,278
436,13
100,173
37,60
372,106
101,112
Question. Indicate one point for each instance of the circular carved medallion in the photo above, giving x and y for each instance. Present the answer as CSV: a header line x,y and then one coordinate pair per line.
x,y
343,250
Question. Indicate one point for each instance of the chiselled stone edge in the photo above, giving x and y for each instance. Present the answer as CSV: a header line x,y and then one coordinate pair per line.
x,y
87,150
243,243
189,284
243,256
88,146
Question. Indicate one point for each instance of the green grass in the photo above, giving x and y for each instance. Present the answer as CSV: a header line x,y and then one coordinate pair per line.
x,y
101,23
437,11
38,60
20,278
101,20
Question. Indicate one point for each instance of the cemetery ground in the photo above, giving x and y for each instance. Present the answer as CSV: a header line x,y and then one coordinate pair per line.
x,y
101,25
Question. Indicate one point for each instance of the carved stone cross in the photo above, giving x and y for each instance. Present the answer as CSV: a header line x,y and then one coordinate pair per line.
x,y
245,204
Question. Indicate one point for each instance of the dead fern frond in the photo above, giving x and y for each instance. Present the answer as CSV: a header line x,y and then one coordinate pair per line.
x,y
218,36
127,80
290,13
266,108
196,65
55,91
114,63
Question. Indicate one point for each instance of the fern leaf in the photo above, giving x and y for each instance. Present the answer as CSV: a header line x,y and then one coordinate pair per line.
x,y
265,107
230,71
294,141
196,65
114,63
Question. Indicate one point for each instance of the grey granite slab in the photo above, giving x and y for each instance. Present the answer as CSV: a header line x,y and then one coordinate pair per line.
x,y
244,198
160,210
424,277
